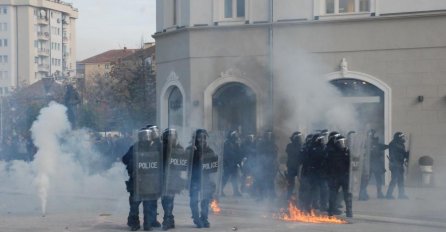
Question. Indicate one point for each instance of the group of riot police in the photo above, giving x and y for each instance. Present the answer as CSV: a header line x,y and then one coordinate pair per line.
x,y
375,165
324,163
257,160
159,167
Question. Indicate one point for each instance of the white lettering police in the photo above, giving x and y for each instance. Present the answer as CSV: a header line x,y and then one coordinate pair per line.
x,y
210,165
178,162
148,165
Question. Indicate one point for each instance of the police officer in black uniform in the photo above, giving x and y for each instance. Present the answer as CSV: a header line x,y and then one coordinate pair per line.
x,y
398,157
294,152
148,140
312,170
267,153
249,152
232,158
200,148
171,148
377,168
338,172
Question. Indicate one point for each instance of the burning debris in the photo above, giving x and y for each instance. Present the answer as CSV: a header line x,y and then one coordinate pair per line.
x,y
293,214
215,207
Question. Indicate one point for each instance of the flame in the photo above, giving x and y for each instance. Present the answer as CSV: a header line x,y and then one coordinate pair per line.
x,y
214,206
296,215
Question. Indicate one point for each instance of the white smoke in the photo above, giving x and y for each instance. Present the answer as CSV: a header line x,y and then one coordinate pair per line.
x,y
308,100
66,164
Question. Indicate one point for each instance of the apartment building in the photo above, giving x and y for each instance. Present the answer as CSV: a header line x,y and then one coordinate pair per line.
x,y
37,40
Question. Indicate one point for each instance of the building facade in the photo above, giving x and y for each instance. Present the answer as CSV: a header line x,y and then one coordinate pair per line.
x,y
38,39
256,65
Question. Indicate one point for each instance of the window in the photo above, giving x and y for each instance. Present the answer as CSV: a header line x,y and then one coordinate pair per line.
x,y
5,59
364,6
346,6
5,10
175,7
5,26
234,8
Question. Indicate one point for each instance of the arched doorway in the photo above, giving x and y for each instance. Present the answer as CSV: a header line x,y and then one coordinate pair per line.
x,y
367,100
175,109
234,107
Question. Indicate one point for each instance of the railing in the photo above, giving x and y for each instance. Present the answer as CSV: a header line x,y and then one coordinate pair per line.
x,y
44,51
42,21
43,35
43,67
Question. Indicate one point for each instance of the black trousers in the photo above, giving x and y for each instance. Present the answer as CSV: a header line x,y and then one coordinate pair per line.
x,y
335,183
195,201
397,178
149,211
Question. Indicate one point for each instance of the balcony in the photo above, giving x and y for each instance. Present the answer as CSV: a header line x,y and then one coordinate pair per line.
x,y
43,67
43,52
42,20
65,39
43,35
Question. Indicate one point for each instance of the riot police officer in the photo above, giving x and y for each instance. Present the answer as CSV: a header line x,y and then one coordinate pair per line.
x,y
294,152
267,153
176,167
148,142
398,157
377,168
338,172
312,171
249,167
232,158
202,187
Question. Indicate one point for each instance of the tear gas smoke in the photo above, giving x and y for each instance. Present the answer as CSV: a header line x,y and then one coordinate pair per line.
x,y
66,164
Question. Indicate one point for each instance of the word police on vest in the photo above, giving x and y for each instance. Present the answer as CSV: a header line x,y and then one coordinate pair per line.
x,y
148,165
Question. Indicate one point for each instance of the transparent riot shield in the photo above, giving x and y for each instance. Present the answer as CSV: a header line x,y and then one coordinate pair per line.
x,y
148,170
367,156
177,172
355,145
209,173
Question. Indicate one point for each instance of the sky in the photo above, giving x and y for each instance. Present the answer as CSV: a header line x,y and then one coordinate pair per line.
x,y
113,24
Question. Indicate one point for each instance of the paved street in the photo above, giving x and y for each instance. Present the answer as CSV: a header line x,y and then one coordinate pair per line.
x,y
21,212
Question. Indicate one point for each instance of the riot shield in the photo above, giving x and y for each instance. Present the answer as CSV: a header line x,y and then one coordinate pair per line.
x,y
367,155
177,169
209,173
355,145
148,170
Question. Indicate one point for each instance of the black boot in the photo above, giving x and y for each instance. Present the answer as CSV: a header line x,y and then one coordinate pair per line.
x,y
133,223
349,206
168,223
205,223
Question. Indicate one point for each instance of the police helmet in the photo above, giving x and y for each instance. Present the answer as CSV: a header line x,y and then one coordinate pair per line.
x,y
340,142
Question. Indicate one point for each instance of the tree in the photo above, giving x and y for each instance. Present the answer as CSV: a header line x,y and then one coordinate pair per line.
x,y
124,99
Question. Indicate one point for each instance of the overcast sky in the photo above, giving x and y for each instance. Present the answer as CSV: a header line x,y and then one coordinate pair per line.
x,y
112,24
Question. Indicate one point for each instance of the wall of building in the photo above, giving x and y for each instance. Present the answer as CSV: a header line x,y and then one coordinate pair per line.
x,y
400,6
408,54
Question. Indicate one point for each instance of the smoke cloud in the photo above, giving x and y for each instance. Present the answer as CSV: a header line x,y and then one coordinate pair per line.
x,y
66,164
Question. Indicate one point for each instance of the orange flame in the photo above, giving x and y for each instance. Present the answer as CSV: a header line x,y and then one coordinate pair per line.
x,y
296,215
214,206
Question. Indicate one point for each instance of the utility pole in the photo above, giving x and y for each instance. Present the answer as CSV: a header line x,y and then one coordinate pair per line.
x,y
271,64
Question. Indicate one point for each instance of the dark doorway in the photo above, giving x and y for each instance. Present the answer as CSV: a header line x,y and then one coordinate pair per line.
x,y
234,107
368,100
175,109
